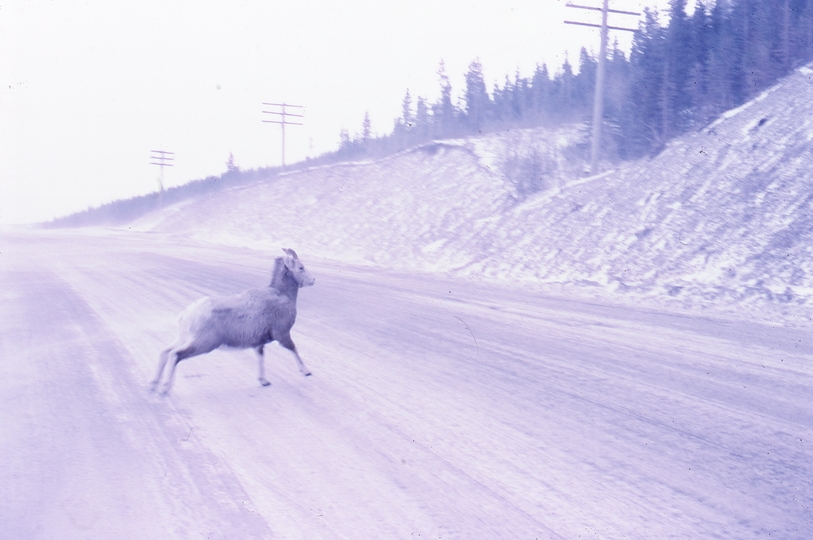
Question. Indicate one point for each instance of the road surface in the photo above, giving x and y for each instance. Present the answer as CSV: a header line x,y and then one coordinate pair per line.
x,y
437,408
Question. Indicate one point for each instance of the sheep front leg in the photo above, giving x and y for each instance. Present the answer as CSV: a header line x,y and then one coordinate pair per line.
x,y
288,343
261,363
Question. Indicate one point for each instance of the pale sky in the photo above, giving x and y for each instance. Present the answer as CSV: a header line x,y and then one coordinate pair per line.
x,y
89,87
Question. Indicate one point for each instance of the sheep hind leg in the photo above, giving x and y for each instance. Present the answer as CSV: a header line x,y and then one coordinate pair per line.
x,y
179,353
261,365
288,343
162,361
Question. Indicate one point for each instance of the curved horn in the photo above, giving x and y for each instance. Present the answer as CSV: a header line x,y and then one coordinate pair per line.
x,y
290,252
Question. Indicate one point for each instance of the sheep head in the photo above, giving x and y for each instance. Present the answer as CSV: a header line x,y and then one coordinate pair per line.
x,y
297,269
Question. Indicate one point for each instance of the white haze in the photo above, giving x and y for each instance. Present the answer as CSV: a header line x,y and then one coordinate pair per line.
x,y
87,89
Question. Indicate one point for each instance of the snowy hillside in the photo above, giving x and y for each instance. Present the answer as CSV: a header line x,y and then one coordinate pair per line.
x,y
721,216
410,210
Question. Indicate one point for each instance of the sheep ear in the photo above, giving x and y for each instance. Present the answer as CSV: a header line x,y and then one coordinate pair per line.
x,y
289,263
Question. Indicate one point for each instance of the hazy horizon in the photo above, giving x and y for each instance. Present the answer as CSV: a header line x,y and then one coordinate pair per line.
x,y
93,88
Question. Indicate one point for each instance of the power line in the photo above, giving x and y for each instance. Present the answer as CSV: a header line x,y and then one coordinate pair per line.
x,y
281,118
598,98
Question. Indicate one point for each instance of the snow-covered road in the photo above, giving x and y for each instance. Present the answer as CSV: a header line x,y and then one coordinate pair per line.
x,y
437,409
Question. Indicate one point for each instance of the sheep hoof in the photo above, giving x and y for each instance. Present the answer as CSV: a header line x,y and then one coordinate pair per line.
x,y
265,382
308,374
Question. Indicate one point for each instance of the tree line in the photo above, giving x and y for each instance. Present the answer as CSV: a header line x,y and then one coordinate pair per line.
x,y
677,77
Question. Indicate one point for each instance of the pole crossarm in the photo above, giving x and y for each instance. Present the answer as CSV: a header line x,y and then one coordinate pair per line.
x,y
591,8
283,116
162,158
599,26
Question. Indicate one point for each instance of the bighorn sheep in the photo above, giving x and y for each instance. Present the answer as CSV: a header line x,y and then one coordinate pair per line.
x,y
250,319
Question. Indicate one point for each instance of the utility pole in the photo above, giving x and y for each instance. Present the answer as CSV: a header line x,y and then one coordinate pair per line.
x,y
598,97
281,118
162,158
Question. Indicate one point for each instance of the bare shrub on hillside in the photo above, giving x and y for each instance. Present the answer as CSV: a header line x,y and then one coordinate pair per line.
x,y
530,170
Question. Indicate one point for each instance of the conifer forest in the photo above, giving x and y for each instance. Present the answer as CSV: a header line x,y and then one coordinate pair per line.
x,y
677,77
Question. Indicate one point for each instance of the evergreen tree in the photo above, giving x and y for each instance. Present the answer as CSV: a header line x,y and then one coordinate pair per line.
x,y
230,166
541,94
737,33
444,111
562,102
366,128
348,147
721,61
641,121
698,90
476,97
802,36
759,42
616,90
584,84
678,59
500,109
523,99
422,118
406,111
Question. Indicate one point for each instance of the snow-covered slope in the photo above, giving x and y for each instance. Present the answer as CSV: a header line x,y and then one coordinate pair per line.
x,y
724,213
410,210
721,216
